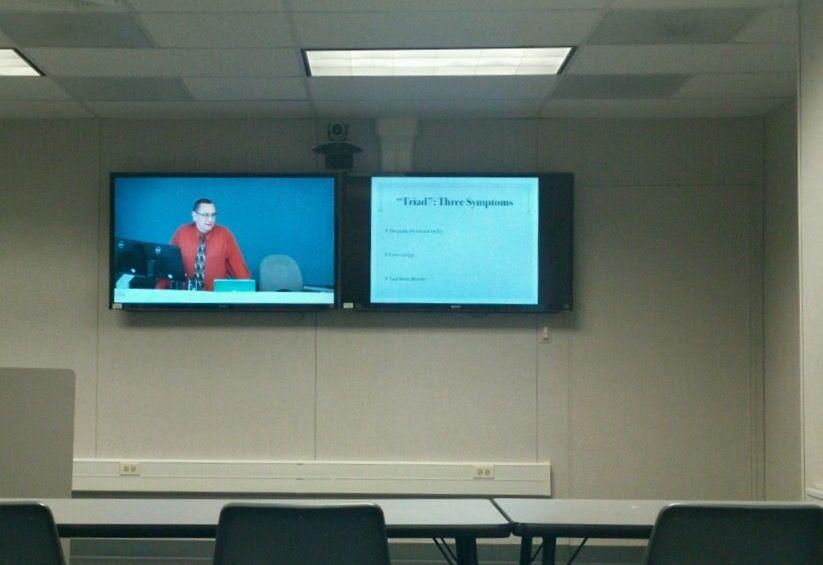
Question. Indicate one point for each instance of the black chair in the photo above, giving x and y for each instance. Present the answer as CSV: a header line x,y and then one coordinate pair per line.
x,y
28,535
250,534
737,534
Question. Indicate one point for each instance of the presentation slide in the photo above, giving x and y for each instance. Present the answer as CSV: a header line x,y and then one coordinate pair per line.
x,y
454,240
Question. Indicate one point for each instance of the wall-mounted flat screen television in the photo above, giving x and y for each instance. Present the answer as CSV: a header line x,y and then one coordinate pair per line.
x,y
458,242
223,241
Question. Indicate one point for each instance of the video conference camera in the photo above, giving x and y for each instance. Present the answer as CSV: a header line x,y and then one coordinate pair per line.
x,y
338,152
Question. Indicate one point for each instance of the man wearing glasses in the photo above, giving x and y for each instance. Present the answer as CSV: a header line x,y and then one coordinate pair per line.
x,y
209,251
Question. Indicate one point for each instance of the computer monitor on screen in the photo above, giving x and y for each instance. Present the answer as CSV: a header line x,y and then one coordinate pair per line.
x,y
163,262
141,264
128,257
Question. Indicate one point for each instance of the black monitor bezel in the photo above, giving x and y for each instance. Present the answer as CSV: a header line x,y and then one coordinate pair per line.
x,y
555,289
224,307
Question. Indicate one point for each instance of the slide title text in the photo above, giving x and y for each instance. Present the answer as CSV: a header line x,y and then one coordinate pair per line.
x,y
452,202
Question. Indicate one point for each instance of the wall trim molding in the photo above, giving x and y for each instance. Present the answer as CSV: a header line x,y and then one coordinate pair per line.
x,y
312,477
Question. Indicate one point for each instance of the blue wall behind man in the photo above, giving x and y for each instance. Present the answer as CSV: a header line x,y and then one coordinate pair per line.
x,y
287,215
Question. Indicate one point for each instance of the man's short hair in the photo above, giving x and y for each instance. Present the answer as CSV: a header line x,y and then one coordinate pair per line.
x,y
200,201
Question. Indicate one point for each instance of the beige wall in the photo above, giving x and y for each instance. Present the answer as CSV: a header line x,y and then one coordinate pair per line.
x,y
48,255
652,388
810,211
784,477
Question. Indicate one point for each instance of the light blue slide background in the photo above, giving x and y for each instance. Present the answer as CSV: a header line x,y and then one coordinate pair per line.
x,y
470,255
287,215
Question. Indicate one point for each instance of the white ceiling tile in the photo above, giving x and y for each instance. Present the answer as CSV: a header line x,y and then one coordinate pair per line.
x,y
650,59
240,88
168,62
252,109
42,109
775,25
664,108
31,88
599,87
431,109
218,30
442,5
534,4
673,27
61,6
766,85
66,29
253,78
203,6
126,89
652,4
431,88
444,29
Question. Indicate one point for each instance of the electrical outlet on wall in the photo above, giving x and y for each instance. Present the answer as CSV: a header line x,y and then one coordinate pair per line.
x,y
129,469
484,471
545,335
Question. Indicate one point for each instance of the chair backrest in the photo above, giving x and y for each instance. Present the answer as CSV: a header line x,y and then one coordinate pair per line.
x,y
28,535
251,534
280,272
737,535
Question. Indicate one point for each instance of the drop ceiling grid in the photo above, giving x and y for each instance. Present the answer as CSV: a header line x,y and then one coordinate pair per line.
x,y
442,29
771,25
660,108
430,88
517,108
739,85
246,88
240,30
222,109
702,94
444,5
693,26
686,4
228,71
59,6
69,30
305,79
595,24
205,6
683,59
213,63
14,109
32,88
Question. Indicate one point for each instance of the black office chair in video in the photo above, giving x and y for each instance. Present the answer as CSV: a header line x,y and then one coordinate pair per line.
x,y
272,534
736,534
28,535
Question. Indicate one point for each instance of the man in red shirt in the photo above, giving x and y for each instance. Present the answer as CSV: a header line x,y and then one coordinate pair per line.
x,y
209,251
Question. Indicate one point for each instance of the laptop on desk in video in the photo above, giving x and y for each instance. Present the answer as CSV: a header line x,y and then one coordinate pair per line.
x,y
235,285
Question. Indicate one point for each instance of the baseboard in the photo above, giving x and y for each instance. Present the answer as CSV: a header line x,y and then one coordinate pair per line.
x,y
312,477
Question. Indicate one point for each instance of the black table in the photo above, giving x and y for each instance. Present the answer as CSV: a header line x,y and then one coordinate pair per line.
x,y
551,518
462,519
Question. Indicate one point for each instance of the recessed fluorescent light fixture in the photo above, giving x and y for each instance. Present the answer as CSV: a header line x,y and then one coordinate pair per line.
x,y
12,63
509,61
